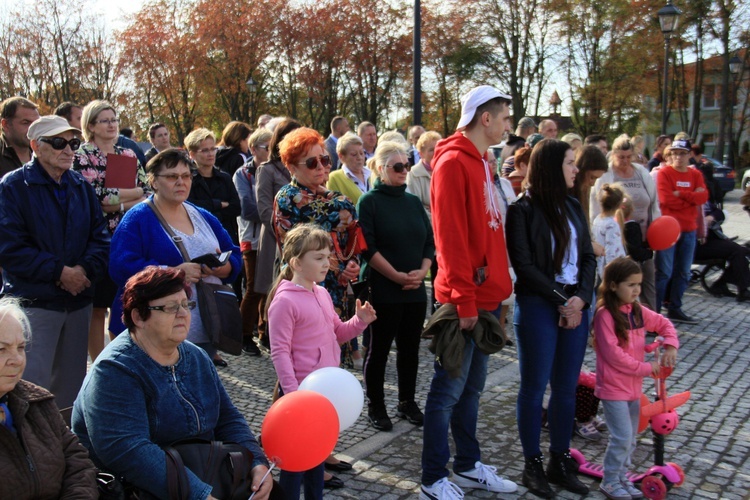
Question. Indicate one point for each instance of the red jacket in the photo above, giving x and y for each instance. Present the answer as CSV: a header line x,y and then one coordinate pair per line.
x,y
683,207
463,236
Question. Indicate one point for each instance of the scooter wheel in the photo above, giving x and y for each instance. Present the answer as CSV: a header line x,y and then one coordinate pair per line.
x,y
679,471
654,487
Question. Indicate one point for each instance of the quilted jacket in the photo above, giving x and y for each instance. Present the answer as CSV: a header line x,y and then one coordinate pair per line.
x,y
44,459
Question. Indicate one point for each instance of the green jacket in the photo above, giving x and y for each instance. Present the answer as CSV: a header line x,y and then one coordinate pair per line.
x,y
448,340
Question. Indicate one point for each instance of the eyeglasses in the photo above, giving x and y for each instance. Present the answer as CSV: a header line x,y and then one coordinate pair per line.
x,y
262,147
312,163
207,151
111,121
678,153
188,305
59,143
399,167
173,177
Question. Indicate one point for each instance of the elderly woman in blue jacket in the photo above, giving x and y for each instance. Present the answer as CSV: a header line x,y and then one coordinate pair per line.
x,y
150,388
140,240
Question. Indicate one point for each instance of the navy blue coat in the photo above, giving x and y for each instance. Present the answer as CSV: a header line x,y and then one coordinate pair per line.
x,y
38,236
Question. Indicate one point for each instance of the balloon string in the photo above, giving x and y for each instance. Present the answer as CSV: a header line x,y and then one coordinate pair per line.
x,y
273,464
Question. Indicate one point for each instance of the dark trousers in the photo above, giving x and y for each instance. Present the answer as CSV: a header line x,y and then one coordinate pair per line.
x,y
433,276
402,322
250,306
737,272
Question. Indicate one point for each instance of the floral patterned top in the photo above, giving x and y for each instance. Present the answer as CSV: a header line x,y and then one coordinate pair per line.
x,y
295,204
91,163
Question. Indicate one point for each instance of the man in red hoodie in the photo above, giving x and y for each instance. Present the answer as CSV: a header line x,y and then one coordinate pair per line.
x,y
682,192
473,275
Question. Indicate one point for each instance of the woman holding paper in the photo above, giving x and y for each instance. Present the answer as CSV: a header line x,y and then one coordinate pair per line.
x,y
100,129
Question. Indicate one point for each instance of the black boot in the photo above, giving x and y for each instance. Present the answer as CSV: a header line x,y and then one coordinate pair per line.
x,y
533,477
562,469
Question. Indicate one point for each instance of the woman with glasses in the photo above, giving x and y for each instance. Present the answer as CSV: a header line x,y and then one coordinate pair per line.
x,y
212,189
640,188
400,249
353,178
306,199
141,241
150,388
101,129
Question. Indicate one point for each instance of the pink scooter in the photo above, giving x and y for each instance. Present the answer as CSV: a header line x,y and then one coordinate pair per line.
x,y
660,477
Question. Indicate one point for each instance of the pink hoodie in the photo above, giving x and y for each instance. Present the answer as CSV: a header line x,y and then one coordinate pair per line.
x,y
305,333
620,370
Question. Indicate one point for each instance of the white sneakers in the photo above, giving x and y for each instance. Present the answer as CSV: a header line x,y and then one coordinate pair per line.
x,y
481,477
441,490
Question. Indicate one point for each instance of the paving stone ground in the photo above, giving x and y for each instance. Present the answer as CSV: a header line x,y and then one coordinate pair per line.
x,y
712,443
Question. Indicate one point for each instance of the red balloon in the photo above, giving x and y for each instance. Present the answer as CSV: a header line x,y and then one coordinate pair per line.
x,y
300,430
663,232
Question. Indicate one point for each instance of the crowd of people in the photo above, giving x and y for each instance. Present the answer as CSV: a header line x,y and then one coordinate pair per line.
x,y
327,243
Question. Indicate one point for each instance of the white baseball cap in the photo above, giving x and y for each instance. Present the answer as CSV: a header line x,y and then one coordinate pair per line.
x,y
475,98
49,126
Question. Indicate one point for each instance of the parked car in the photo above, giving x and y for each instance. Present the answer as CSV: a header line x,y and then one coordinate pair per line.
x,y
723,176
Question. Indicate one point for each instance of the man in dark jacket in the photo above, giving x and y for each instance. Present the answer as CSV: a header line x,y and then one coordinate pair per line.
x,y
53,245
16,114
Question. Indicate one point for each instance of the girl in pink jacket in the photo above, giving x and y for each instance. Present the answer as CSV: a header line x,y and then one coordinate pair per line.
x,y
620,325
304,329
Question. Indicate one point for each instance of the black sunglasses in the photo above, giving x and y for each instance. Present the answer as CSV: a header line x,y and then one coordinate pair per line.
x,y
399,167
59,143
312,163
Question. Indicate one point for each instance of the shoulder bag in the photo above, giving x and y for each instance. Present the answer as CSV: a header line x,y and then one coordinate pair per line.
x,y
220,313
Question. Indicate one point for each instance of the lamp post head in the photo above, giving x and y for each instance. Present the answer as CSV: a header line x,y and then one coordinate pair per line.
x,y
251,85
669,16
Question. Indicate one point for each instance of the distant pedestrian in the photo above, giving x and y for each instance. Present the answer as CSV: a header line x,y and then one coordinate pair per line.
x,y
620,326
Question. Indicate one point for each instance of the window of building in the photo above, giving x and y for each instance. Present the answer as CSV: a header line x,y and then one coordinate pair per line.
x,y
711,96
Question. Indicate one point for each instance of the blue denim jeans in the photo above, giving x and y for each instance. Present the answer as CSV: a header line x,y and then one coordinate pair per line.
x,y
454,402
622,422
547,353
291,482
674,263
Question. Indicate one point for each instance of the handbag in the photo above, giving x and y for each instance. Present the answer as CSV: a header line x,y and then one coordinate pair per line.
x,y
355,243
225,466
220,313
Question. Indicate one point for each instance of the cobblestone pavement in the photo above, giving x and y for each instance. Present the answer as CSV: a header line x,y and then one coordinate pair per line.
x,y
712,443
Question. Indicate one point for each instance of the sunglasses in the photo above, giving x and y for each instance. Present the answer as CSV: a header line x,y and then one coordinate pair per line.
x,y
399,167
59,143
312,163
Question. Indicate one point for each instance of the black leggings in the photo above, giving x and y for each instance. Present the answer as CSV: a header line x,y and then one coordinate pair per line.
x,y
404,323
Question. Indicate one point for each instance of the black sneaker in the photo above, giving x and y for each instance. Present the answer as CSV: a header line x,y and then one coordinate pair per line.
x,y
681,317
411,412
251,349
379,418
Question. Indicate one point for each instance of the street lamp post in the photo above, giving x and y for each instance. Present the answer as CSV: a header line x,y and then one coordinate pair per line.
x,y
252,86
668,17
417,64
735,67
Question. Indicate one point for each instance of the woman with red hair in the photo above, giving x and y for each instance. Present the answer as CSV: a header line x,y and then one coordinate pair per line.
x,y
306,199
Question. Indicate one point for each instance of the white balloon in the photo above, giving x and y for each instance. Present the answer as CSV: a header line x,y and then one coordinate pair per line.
x,y
341,388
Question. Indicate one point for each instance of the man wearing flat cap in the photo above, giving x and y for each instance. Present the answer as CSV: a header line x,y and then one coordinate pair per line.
x,y
473,278
53,244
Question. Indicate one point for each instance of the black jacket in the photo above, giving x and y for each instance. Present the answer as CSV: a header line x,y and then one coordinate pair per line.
x,y
529,241
208,193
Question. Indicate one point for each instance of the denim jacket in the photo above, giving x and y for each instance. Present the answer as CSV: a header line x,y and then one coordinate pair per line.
x,y
130,407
